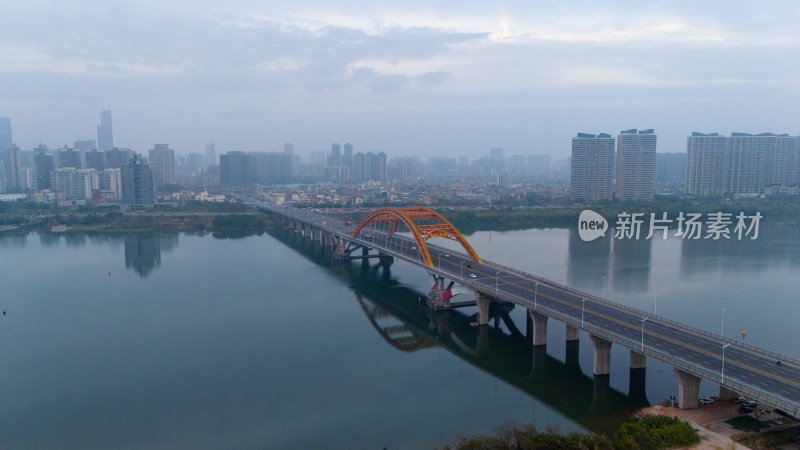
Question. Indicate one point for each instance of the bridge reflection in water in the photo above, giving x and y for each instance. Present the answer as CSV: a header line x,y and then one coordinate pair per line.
x,y
399,317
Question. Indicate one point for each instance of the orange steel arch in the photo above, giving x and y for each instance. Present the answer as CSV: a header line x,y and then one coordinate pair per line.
x,y
421,232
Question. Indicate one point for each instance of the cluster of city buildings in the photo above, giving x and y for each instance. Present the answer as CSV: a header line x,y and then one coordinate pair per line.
x,y
601,168
628,168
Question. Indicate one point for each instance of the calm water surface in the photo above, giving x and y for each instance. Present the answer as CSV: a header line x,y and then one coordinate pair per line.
x,y
193,341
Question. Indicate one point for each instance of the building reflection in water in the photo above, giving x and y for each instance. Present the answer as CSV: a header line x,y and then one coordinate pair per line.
x,y
776,245
621,266
143,252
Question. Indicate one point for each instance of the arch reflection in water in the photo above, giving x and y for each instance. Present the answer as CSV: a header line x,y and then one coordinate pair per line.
x,y
399,317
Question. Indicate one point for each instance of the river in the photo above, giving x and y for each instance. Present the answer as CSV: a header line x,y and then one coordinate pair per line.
x,y
262,341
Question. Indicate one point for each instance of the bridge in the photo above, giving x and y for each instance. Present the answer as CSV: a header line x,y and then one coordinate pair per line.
x,y
398,317
389,234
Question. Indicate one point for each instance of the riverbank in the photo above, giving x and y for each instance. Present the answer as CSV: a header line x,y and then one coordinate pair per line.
x,y
721,425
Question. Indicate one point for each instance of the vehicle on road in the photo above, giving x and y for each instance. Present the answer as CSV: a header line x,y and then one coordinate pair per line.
x,y
472,275
470,266
745,409
347,222
368,237
706,401
446,255
750,404
738,400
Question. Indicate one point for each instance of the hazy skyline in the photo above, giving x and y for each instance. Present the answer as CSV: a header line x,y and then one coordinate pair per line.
x,y
412,79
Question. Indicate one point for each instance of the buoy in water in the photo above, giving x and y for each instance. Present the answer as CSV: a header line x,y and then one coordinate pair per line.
x,y
744,333
109,273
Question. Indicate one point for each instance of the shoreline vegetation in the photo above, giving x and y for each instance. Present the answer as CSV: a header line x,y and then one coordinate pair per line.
x,y
649,432
196,216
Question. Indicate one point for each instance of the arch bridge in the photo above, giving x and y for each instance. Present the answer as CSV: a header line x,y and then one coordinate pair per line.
x,y
423,223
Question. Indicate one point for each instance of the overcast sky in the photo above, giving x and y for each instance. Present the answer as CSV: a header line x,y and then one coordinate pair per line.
x,y
407,78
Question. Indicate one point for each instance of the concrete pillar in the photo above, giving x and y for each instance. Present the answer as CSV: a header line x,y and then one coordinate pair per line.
x,y
573,333
638,360
482,302
602,356
539,334
688,389
726,394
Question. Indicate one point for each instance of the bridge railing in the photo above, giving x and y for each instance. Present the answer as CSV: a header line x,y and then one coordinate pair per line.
x,y
773,400
596,299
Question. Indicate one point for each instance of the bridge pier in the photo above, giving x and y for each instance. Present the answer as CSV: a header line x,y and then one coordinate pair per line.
x,y
602,355
539,332
726,394
384,259
638,360
573,333
482,301
688,389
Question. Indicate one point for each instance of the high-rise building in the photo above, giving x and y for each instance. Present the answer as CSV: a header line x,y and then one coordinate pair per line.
x,y
335,158
162,162
370,166
26,178
95,160
592,168
6,140
288,148
211,154
138,183
116,157
11,166
44,165
318,157
105,136
110,180
67,157
75,184
235,168
741,164
86,145
670,167
538,165
347,158
636,165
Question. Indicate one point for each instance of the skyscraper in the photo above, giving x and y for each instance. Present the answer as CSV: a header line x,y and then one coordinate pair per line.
x,y
5,134
741,164
162,163
11,166
636,164
105,136
592,172
44,165
347,159
335,158
670,167
211,154
235,168
138,184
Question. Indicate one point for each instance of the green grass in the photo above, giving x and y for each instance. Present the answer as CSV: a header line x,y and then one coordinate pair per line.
x,y
747,423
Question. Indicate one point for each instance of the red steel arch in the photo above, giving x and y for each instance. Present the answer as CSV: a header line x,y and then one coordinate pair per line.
x,y
442,228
